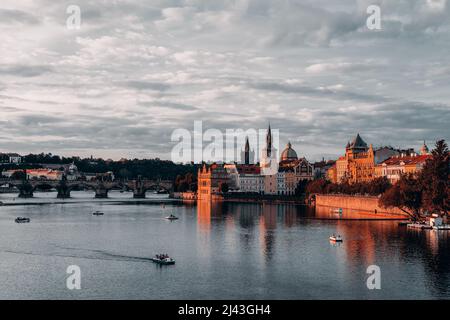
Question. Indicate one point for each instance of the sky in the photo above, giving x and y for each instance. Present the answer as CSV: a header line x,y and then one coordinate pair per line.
x,y
136,70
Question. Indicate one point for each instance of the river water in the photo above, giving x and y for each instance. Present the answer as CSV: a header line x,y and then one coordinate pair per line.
x,y
222,251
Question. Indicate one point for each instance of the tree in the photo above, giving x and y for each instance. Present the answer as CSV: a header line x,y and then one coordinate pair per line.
x,y
317,186
125,174
434,180
183,186
185,183
406,195
301,187
193,187
378,186
19,175
223,187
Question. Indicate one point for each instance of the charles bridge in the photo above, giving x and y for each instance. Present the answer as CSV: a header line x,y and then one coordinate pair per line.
x,y
101,187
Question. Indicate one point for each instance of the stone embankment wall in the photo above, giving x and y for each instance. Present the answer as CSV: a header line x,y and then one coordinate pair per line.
x,y
366,204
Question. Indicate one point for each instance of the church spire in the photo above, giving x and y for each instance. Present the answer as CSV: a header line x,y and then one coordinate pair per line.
x,y
247,152
269,141
424,150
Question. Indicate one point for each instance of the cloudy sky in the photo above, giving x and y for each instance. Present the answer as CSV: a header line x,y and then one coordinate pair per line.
x,y
137,70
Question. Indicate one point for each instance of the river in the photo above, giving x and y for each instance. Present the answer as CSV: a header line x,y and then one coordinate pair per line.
x,y
222,251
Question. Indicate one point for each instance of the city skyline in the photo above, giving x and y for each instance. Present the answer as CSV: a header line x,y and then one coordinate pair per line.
x,y
238,152
133,73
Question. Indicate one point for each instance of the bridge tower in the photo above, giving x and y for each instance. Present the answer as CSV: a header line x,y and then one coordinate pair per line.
x,y
25,189
63,189
139,188
101,192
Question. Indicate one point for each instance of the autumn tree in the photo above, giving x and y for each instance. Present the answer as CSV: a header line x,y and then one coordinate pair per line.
x,y
434,180
317,186
185,183
406,195
378,186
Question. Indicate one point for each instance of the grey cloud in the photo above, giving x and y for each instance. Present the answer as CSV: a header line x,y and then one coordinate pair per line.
x,y
170,105
8,16
24,70
147,85
39,119
119,96
319,92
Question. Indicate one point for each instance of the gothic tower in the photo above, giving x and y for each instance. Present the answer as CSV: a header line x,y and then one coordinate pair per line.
x,y
269,162
247,156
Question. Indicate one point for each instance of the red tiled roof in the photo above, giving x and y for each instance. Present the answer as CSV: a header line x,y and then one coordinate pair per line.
x,y
406,160
248,169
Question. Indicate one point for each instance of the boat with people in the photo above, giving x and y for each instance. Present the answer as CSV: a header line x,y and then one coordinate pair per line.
x,y
172,217
97,213
163,259
336,238
22,220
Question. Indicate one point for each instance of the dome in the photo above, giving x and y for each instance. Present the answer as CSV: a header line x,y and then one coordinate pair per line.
x,y
289,153
73,167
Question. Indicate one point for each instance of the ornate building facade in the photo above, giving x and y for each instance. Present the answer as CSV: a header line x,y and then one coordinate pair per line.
x,y
357,165
393,168
362,164
210,178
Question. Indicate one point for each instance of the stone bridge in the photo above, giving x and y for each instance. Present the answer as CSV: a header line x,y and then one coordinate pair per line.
x,y
139,186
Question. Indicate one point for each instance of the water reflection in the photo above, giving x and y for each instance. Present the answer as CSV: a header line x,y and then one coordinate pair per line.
x,y
223,251
366,242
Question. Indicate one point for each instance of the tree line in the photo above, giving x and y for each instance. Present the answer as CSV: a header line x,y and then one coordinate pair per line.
x,y
124,169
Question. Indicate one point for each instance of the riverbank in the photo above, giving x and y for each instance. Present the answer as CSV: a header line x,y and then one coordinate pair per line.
x,y
364,204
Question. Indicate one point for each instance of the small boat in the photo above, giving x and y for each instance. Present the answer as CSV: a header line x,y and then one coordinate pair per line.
x,y
163,259
22,220
442,227
172,217
97,213
335,238
420,226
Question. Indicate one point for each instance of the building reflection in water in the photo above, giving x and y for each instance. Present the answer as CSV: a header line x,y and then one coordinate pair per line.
x,y
383,243
250,219
362,238
437,259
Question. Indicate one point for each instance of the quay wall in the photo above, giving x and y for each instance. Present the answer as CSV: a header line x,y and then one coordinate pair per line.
x,y
184,195
365,204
